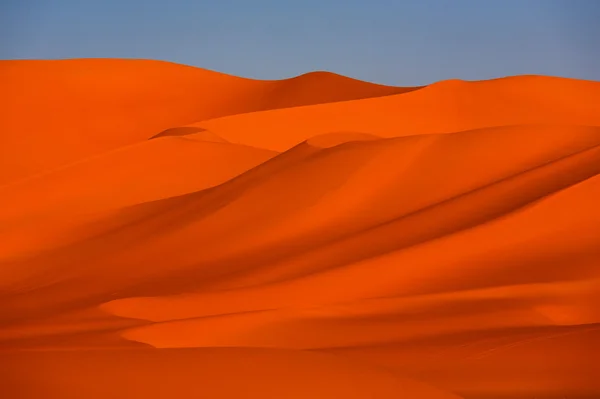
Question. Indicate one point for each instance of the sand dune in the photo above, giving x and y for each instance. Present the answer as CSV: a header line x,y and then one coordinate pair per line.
x,y
94,105
312,237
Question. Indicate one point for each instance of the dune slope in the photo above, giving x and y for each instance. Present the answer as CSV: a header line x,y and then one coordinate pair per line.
x,y
312,237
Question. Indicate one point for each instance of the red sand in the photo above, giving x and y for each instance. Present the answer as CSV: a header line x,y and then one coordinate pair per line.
x,y
172,232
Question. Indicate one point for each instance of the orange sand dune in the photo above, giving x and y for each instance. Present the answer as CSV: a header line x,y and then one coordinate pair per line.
x,y
361,241
56,112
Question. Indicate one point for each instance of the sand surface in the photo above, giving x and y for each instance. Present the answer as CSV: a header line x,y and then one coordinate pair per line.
x,y
173,232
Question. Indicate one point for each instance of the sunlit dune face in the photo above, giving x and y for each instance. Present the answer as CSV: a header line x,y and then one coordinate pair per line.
x,y
168,231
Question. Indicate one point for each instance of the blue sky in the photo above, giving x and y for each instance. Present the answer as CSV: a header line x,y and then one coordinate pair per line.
x,y
399,42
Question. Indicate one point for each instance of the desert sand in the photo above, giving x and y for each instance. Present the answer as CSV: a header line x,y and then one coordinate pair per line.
x,y
173,232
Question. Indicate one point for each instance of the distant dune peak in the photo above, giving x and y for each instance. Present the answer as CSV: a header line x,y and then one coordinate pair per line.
x,y
319,74
336,78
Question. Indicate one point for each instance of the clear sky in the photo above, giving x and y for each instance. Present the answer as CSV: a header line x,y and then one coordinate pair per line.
x,y
399,42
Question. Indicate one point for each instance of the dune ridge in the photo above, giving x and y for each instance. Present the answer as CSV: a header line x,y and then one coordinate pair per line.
x,y
208,235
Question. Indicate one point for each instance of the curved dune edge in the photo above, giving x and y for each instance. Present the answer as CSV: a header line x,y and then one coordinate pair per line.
x,y
333,139
164,167
148,172
202,134
208,235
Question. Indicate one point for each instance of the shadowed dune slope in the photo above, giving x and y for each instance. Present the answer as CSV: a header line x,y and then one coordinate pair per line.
x,y
435,243
259,219
55,112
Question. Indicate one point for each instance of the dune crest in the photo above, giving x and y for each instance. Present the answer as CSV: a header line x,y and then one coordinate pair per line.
x,y
188,131
333,139
168,231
